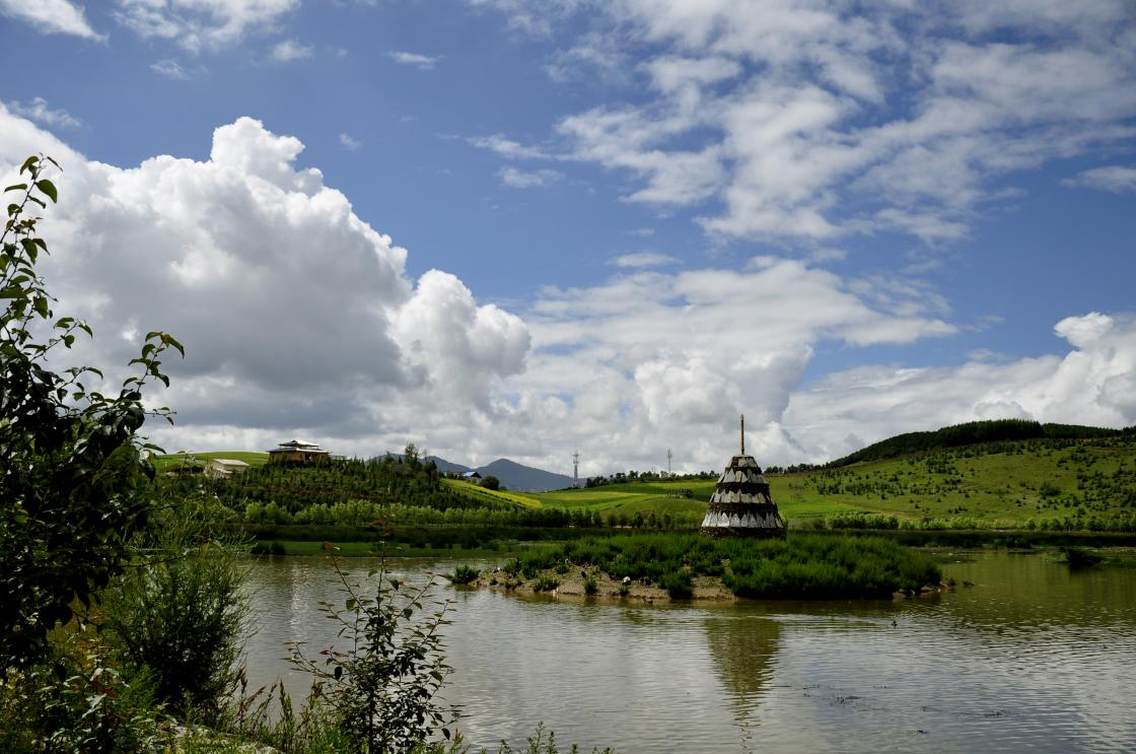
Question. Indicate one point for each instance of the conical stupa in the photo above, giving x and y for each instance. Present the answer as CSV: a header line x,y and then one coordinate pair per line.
x,y
741,505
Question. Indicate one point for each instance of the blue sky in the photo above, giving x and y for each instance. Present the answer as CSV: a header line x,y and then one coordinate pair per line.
x,y
602,184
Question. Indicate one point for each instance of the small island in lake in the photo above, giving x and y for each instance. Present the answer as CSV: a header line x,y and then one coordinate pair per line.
x,y
742,551
658,567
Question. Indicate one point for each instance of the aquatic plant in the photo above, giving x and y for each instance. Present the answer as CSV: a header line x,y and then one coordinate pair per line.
x,y
545,584
463,574
803,566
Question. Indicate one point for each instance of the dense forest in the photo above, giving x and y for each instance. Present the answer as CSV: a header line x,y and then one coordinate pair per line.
x,y
292,488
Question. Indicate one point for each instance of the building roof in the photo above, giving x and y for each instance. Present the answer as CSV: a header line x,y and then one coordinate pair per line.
x,y
230,462
299,445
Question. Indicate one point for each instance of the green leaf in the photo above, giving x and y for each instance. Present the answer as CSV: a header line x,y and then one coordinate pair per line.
x,y
29,163
16,187
48,188
172,341
41,306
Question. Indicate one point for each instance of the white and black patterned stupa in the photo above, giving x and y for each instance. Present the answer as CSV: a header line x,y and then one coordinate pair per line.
x,y
741,505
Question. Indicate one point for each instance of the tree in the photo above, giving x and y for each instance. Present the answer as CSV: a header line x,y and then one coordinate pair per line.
x,y
491,482
72,484
383,685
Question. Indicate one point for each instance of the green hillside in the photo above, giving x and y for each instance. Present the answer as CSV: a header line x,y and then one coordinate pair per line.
x,y
508,497
252,458
1051,482
1088,483
975,433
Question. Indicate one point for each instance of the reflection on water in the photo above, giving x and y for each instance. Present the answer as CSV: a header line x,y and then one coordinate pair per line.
x,y
1032,657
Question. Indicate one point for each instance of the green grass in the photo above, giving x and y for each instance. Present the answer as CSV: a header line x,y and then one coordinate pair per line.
x,y
1047,483
1006,484
251,457
999,484
802,566
526,499
658,497
392,550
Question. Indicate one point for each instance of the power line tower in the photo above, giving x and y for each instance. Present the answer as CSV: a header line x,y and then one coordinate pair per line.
x,y
668,461
576,469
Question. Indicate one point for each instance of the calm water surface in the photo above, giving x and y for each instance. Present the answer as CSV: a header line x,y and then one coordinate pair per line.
x,y
1031,658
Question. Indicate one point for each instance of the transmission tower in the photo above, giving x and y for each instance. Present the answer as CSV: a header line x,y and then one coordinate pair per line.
x,y
576,469
669,461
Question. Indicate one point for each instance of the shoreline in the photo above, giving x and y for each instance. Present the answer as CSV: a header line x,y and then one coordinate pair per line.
x,y
570,587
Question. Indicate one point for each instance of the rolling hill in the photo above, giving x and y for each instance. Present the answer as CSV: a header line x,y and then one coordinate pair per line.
x,y
252,458
1048,482
1022,475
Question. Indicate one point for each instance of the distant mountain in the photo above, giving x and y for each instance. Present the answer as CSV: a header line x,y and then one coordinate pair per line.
x,y
448,467
523,478
515,476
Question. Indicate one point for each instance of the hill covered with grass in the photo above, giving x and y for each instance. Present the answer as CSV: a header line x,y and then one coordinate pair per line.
x,y
975,433
1016,475
174,460
1083,483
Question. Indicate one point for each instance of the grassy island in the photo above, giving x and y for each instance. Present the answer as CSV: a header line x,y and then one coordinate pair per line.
x,y
681,566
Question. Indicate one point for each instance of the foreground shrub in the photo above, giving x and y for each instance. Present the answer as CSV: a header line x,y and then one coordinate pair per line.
x,y
180,615
383,688
72,484
75,700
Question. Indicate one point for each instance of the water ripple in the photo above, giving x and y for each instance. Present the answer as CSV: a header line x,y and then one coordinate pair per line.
x,y
1031,658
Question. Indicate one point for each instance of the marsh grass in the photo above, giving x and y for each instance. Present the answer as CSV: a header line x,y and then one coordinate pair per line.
x,y
463,574
800,567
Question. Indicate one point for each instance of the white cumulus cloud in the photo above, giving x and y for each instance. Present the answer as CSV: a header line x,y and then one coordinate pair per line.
x,y
297,316
51,16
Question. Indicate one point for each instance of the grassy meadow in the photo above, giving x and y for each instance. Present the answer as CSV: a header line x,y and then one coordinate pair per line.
x,y
469,489
1066,484
251,457
1004,484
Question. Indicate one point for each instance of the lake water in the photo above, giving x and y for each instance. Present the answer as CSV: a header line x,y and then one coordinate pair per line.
x,y
1033,657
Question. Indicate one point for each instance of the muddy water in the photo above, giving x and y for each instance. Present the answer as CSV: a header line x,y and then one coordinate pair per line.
x,y
1030,658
